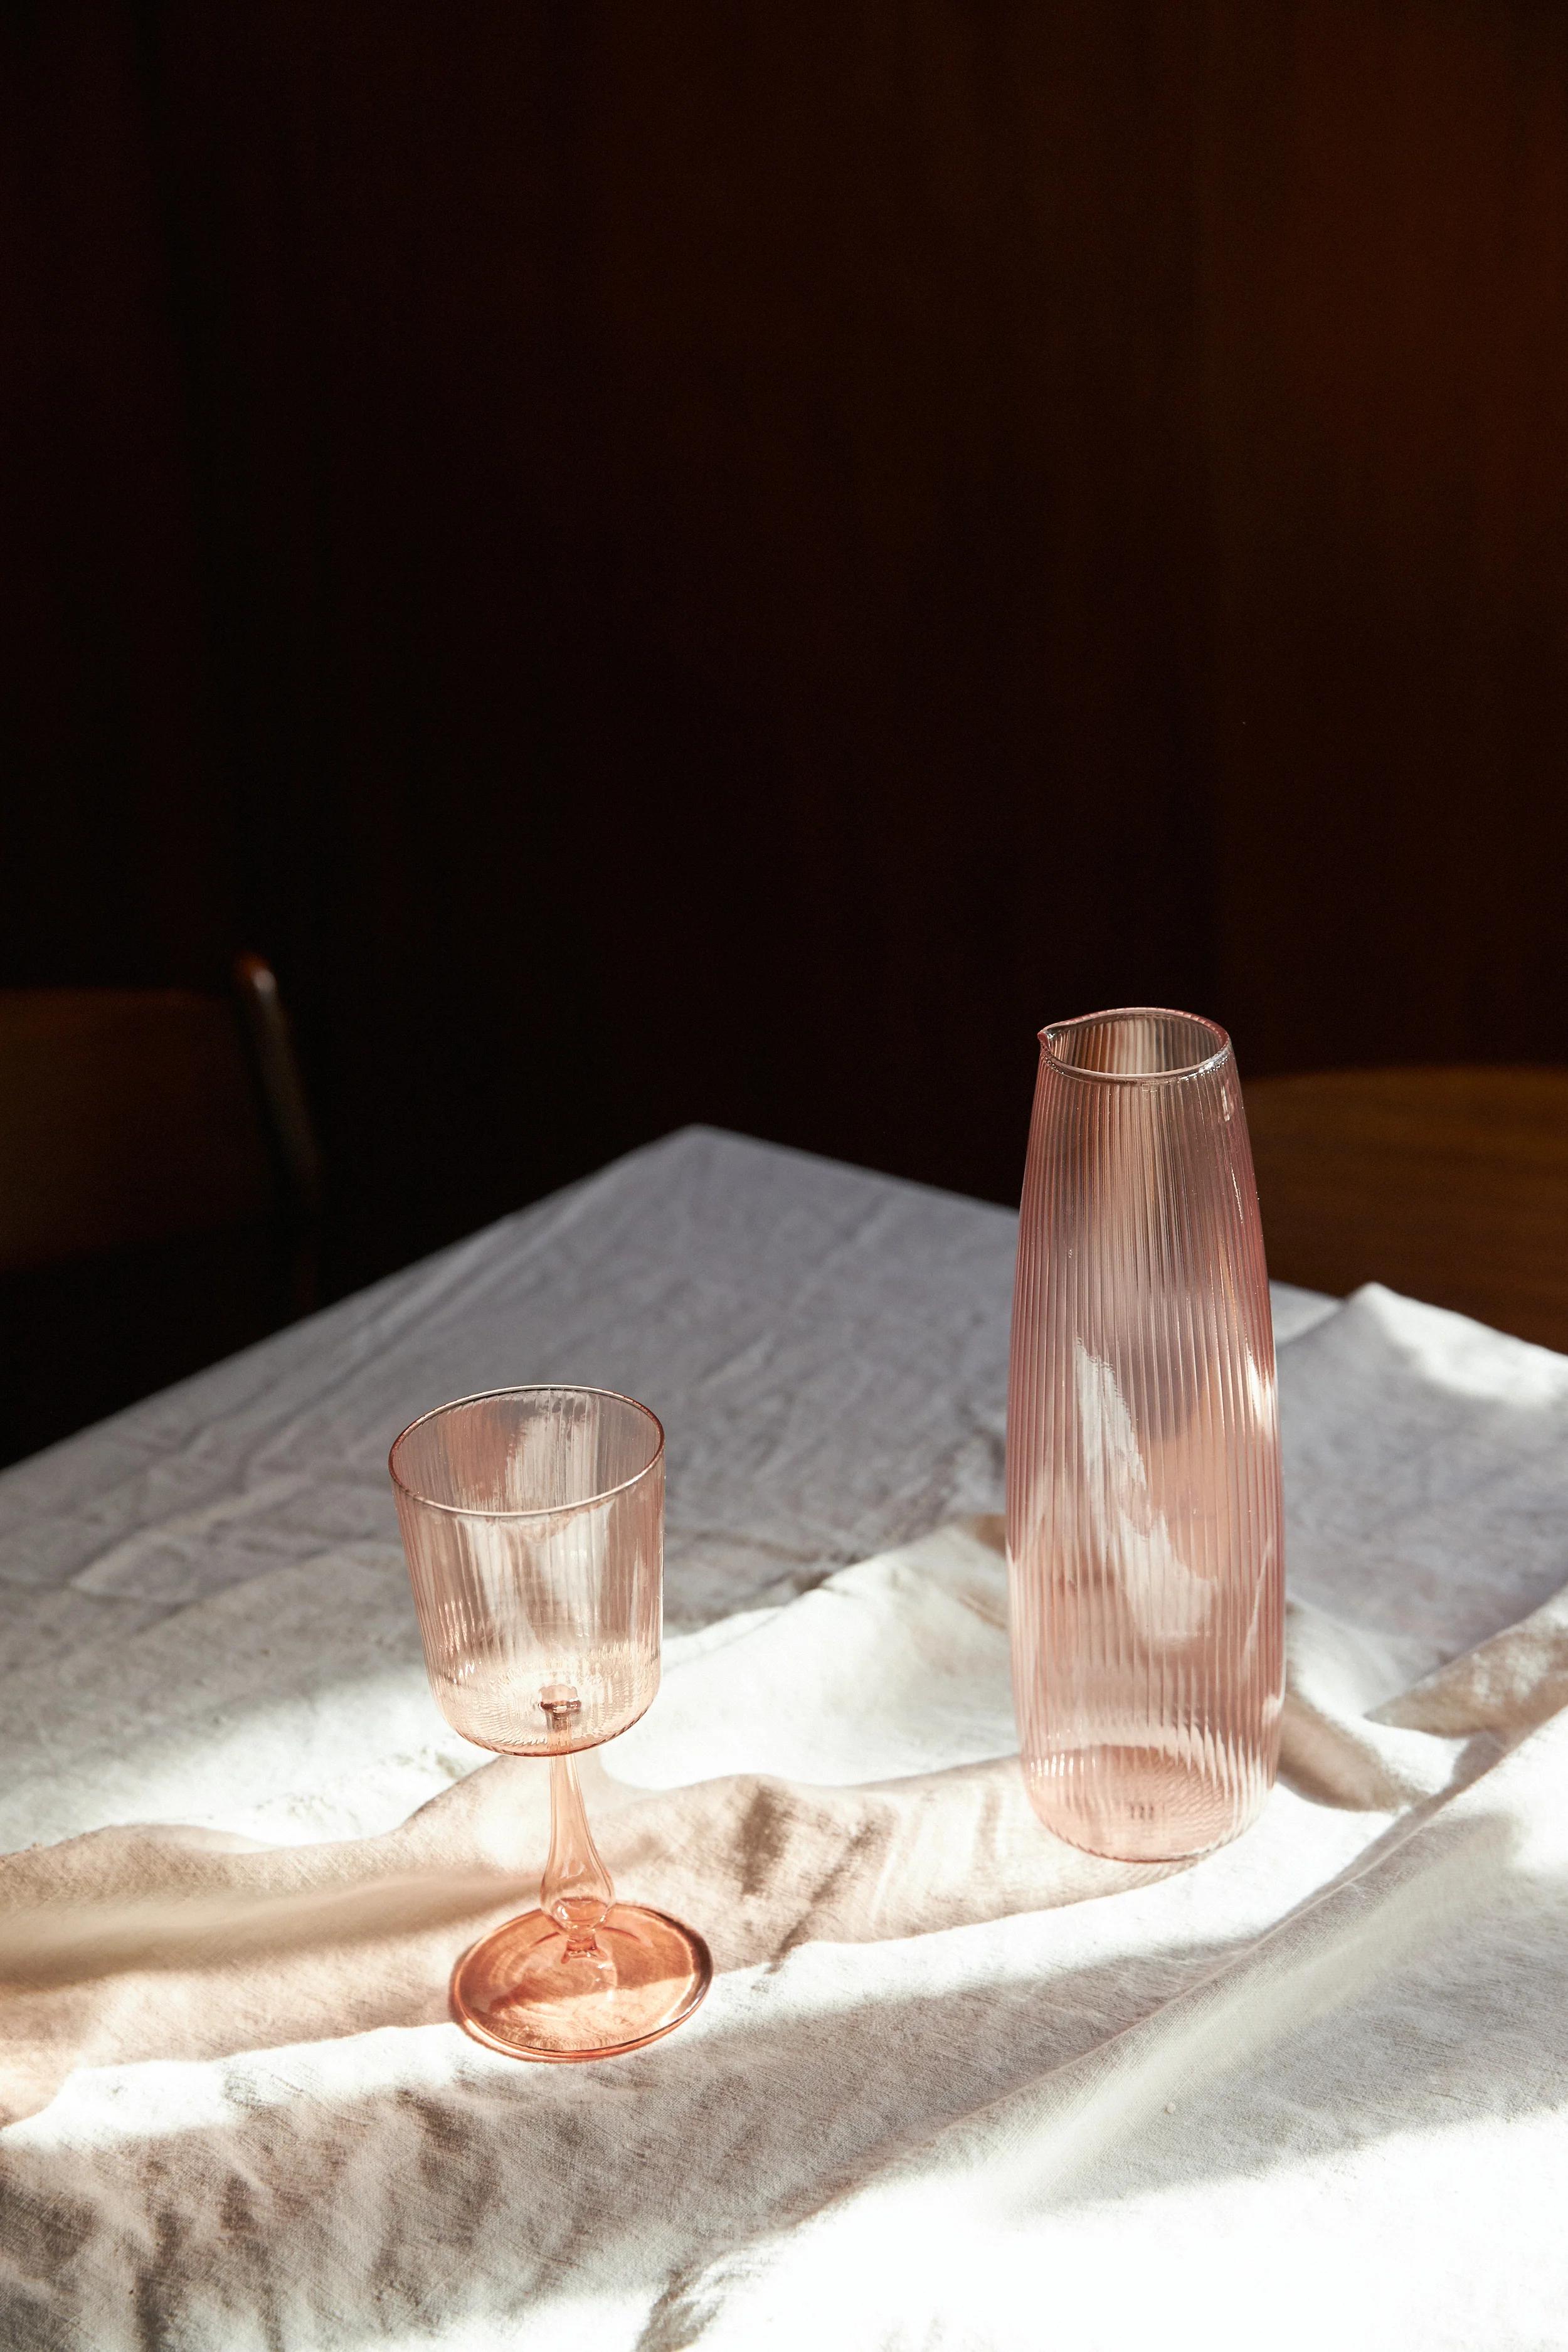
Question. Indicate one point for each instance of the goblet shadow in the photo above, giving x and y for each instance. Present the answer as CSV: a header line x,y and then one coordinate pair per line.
x,y
161,1942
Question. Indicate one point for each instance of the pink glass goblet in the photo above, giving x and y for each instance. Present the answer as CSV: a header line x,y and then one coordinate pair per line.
x,y
533,1522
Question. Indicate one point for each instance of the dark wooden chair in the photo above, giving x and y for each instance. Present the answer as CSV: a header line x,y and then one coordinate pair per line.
x,y
160,1191
1449,1184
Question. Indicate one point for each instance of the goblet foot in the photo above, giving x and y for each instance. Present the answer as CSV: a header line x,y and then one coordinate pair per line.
x,y
520,1990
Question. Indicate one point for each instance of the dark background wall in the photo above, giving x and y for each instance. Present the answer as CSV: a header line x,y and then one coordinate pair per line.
x,y
726,562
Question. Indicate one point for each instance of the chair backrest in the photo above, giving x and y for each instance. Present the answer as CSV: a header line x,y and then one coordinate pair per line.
x,y
129,1117
1449,1184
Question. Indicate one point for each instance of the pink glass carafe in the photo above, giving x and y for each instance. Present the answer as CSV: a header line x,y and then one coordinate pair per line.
x,y
1143,1506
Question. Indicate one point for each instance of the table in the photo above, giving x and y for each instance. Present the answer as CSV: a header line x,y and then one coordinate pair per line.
x,y
936,2122
827,1349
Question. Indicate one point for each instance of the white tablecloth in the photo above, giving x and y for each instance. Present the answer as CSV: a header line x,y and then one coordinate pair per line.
x,y
954,2085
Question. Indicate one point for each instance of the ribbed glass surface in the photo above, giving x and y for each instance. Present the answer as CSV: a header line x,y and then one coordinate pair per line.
x,y
1143,1504
533,1522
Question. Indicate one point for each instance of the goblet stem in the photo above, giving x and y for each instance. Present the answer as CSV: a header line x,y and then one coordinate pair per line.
x,y
576,1889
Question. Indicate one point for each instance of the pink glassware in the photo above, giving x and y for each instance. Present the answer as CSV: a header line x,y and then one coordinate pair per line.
x,y
1143,1504
533,1523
